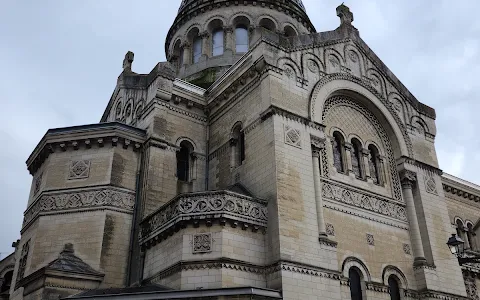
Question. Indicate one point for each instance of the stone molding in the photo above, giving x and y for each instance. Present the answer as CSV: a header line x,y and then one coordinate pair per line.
x,y
73,200
461,192
73,138
274,110
362,199
206,206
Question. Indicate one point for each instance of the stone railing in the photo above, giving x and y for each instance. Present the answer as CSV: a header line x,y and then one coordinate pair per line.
x,y
206,206
79,199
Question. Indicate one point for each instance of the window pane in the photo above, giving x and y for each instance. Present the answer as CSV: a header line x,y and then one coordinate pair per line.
x,y
394,289
241,40
217,43
355,285
374,165
183,163
180,59
197,49
356,161
337,154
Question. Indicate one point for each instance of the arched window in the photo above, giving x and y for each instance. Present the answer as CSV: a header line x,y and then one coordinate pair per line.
x,y
338,152
355,284
268,24
394,288
7,282
217,42
197,49
289,31
238,146
184,161
180,57
356,155
374,164
241,39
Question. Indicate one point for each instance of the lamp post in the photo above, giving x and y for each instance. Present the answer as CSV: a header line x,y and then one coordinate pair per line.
x,y
457,247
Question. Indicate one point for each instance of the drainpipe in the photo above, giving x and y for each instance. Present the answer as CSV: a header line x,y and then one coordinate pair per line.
x,y
136,212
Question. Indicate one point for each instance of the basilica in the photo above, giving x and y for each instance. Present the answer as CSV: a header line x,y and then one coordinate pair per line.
x,y
262,160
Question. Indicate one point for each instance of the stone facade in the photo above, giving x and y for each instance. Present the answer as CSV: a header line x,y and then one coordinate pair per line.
x,y
299,169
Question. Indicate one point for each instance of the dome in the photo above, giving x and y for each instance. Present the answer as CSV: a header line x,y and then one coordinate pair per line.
x,y
209,36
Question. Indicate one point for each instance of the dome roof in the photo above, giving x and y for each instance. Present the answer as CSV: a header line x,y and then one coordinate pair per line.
x,y
184,3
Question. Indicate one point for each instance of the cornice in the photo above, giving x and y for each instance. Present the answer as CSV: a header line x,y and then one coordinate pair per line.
x,y
461,191
73,138
275,110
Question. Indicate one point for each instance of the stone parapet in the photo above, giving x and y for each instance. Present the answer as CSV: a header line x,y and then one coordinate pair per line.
x,y
204,206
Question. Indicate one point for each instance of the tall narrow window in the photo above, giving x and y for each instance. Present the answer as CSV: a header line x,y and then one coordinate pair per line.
x,y
374,164
355,284
238,146
180,57
338,152
197,49
394,288
241,39
357,158
217,42
183,161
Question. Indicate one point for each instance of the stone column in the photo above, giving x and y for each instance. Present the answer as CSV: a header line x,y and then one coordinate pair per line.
x,y
348,159
229,45
366,163
408,179
317,183
206,49
187,54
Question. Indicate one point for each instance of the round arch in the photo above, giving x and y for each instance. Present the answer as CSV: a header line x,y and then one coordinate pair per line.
x,y
7,269
392,270
355,262
338,84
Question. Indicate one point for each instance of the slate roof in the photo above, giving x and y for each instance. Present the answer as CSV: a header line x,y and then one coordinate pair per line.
x,y
127,290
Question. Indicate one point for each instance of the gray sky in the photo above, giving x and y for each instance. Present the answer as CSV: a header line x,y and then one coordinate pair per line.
x,y
61,59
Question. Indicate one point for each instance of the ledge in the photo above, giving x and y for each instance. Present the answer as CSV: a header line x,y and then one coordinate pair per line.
x,y
204,206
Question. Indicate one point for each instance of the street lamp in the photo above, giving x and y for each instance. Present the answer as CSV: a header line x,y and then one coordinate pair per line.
x,y
457,247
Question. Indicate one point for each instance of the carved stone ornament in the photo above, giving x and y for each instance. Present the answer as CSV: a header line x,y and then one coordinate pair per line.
x,y
367,201
80,199
37,183
210,205
23,260
317,142
330,229
406,249
430,184
79,169
370,239
293,136
408,178
202,243
470,285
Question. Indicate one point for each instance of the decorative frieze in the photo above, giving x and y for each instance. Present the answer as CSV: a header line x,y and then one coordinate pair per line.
x,y
364,200
240,210
79,169
58,201
202,243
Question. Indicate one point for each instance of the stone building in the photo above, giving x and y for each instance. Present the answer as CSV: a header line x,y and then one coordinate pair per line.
x,y
263,160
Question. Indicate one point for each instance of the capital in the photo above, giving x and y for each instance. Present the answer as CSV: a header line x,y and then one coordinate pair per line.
x,y
366,152
408,178
315,152
317,142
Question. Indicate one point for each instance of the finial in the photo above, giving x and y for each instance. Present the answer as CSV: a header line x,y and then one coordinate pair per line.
x,y
68,248
127,62
345,15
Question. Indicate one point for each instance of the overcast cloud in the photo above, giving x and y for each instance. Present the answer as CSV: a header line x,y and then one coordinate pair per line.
x,y
60,61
